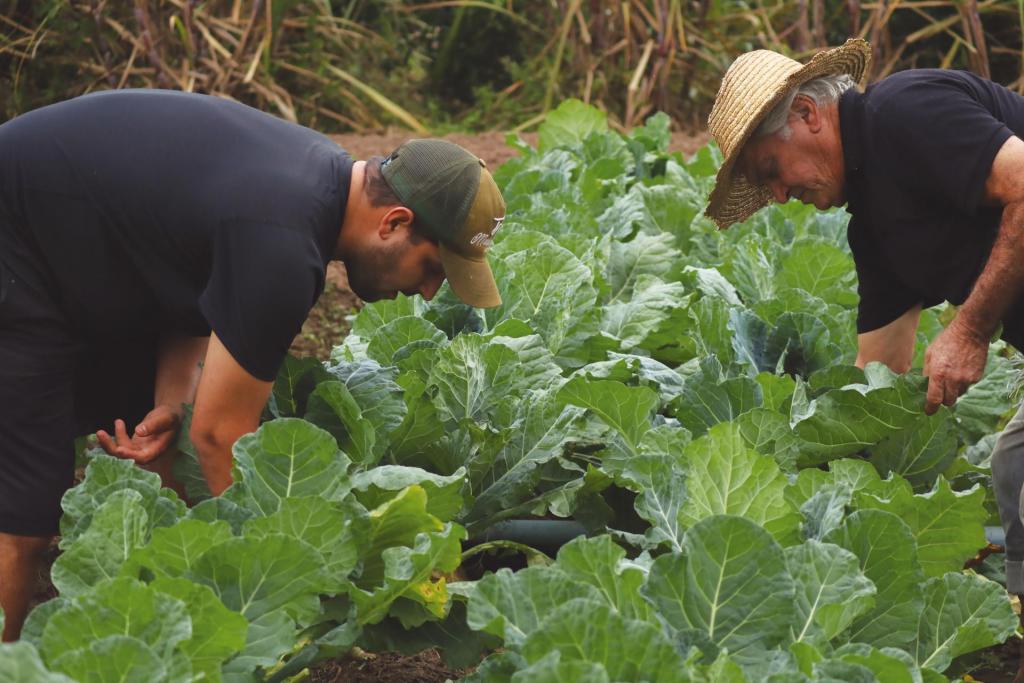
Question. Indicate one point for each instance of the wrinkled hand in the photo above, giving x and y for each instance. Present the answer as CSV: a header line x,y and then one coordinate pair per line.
x,y
154,435
952,363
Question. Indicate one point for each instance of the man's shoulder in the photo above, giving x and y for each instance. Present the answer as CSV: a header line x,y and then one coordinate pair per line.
x,y
924,89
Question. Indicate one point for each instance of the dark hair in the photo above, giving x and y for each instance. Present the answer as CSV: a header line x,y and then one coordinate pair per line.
x,y
379,193
377,190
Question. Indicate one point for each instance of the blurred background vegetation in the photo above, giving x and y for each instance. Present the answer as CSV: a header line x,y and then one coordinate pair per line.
x,y
441,65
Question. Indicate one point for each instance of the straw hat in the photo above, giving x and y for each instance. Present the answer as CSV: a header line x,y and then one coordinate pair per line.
x,y
753,85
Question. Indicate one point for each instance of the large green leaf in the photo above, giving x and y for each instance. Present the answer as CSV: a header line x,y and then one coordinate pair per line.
x,y
217,632
656,310
374,388
551,290
948,526
626,409
335,530
173,551
820,269
885,546
513,606
407,575
21,662
660,481
551,669
262,574
707,400
643,255
444,494
293,384
119,526
589,630
844,421
155,622
266,640
597,561
570,124
471,378
831,591
114,659
395,334
920,452
727,478
286,457
333,408
106,475
962,613
396,522
527,467
730,584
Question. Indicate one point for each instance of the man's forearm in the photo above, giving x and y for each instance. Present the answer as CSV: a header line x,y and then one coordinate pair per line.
x,y
215,461
178,370
1000,282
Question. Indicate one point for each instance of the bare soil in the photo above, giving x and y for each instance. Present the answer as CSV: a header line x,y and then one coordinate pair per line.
x,y
425,667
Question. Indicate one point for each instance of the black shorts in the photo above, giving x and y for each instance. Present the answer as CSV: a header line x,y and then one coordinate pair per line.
x,y
53,388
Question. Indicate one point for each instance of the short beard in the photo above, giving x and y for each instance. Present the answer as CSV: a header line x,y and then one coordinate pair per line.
x,y
367,267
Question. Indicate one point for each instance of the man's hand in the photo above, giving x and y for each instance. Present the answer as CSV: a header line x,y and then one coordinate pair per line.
x,y
952,363
154,435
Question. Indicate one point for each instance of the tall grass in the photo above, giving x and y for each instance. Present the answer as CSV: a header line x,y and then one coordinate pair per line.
x,y
430,64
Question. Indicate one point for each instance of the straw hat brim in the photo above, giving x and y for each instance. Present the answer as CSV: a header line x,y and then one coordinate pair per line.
x,y
733,199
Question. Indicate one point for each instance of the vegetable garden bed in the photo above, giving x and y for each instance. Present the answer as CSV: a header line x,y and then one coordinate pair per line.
x,y
757,508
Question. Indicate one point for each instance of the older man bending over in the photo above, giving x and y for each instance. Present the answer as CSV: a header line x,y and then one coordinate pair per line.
x,y
930,164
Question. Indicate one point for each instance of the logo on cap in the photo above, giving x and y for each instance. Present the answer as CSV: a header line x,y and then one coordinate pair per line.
x,y
486,240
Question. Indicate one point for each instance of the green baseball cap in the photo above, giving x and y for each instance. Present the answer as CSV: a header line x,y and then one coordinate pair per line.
x,y
455,202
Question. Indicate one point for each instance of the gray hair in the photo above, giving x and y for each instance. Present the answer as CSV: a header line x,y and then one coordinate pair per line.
x,y
823,90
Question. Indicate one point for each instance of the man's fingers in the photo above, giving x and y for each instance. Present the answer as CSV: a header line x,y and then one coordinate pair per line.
x,y
934,397
121,432
951,394
106,443
156,422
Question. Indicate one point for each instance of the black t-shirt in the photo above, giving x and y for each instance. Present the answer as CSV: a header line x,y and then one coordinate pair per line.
x,y
165,211
918,148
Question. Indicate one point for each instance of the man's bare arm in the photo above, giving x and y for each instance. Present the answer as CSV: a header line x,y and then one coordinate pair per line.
x,y
228,404
892,344
178,370
956,359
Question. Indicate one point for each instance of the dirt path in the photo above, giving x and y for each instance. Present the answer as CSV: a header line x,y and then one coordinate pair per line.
x,y
490,147
327,324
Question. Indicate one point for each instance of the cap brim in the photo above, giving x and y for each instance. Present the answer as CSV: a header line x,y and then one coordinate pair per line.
x,y
470,279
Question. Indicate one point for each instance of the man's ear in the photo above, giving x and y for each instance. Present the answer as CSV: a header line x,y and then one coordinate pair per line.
x,y
806,109
394,221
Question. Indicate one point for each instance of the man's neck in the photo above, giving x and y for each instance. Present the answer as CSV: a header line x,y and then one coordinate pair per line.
x,y
355,211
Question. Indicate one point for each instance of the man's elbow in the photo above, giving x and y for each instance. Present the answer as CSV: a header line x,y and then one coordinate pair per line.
x,y
212,437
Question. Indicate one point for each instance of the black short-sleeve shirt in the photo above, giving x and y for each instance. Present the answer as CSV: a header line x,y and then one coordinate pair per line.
x,y
918,147
157,211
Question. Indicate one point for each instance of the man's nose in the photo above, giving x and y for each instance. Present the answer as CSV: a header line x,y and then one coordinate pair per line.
x,y
778,191
429,288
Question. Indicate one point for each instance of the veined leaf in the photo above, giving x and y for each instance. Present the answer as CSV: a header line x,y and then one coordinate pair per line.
x,y
947,525
21,662
588,630
729,583
727,478
513,606
286,457
962,613
831,591
887,552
